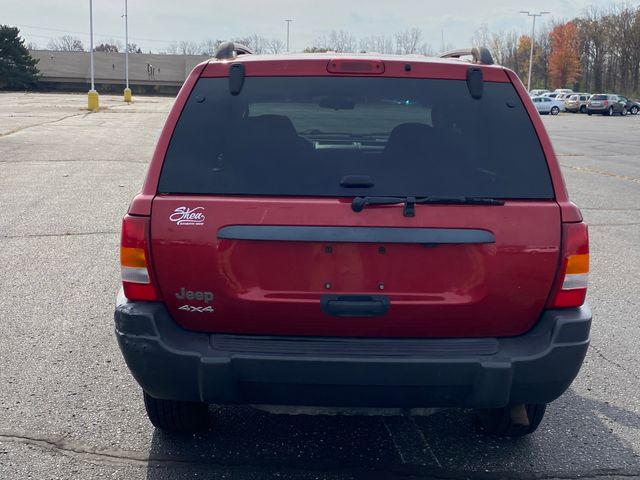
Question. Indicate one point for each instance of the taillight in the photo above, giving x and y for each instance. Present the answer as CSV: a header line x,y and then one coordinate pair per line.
x,y
137,281
605,103
570,289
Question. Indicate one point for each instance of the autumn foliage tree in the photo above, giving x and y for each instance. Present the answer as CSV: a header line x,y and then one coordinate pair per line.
x,y
598,51
564,61
522,56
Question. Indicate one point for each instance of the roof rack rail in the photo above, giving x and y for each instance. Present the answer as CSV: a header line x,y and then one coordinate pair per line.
x,y
480,55
230,50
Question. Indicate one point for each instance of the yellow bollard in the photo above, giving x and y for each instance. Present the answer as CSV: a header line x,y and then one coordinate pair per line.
x,y
93,103
127,95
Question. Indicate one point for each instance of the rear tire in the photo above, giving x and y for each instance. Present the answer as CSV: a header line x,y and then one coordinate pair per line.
x,y
175,416
624,112
498,421
583,109
589,113
555,110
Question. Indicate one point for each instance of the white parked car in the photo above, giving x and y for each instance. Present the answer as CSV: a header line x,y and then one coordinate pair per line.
x,y
548,105
537,92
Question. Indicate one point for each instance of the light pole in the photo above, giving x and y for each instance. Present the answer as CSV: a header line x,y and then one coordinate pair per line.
x,y
93,102
533,36
127,90
288,24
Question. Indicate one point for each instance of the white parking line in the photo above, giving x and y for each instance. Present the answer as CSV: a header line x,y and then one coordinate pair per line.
x,y
410,442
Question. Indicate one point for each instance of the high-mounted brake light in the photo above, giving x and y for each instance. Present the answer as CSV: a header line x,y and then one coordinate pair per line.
x,y
359,66
134,265
571,286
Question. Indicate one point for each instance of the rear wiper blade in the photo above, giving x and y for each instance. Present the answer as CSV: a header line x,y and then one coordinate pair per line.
x,y
358,203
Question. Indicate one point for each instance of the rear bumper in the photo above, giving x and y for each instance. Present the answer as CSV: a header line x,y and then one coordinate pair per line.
x,y
172,363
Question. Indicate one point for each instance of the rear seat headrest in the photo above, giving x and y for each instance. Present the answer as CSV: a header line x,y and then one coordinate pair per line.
x,y
410,136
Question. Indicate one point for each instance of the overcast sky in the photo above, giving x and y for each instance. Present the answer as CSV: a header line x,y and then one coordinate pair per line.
x,y
154,24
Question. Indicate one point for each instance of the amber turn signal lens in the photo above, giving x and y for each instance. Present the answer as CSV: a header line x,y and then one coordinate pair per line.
x,y
132,257
577,264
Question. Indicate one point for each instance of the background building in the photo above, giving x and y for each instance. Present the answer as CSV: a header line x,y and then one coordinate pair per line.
x,y
148,73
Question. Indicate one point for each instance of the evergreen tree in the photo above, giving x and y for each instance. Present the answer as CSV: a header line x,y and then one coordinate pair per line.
x,y
17,66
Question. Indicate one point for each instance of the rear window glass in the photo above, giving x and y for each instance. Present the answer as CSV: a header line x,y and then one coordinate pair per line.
x,y
309,136
599,97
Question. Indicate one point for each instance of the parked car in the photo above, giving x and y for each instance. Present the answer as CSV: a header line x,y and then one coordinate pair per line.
x,y
577,102
551,94
632,106
301,239
538,92
607,104
563,90
548,105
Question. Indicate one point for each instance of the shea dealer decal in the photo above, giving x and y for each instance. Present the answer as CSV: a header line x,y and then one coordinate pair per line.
x,y
184,216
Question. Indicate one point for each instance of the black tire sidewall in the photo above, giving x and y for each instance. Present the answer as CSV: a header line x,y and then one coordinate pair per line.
x,y
174,416
498,421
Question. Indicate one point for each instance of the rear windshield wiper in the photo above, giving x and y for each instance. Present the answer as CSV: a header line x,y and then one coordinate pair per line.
x,y
358,203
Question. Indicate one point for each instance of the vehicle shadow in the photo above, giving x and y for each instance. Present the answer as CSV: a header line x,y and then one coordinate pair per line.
x,y
576,438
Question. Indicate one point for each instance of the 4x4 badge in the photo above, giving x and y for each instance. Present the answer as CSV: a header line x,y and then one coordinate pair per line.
x,y
193,309
188,216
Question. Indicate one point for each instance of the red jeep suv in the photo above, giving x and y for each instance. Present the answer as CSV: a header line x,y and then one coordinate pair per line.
x,y
353,231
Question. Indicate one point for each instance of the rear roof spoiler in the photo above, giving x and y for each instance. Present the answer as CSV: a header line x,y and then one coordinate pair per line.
x,y
480,55
231,50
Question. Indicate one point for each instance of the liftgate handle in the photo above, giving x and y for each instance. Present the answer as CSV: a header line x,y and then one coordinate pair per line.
x,y
354,305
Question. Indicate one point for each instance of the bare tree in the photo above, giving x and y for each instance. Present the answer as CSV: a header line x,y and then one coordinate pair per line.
x,y
209,47
426,49
343,41
274,45
481,37
172,49
503,47
337,41
321,43
408,41
377,44
66,43
184,47
187,47
255,42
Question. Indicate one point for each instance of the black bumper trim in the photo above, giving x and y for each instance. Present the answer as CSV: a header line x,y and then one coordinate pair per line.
x,y
173,363
355,347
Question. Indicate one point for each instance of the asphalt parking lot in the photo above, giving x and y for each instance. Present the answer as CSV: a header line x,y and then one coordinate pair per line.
x,y
70,409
